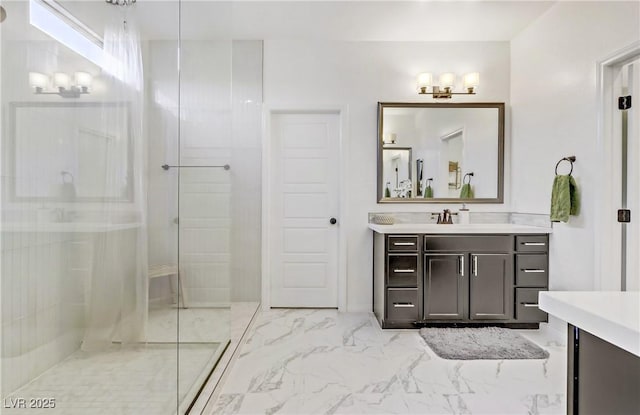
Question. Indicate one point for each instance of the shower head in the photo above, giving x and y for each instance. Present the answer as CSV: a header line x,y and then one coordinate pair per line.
x,y
121,2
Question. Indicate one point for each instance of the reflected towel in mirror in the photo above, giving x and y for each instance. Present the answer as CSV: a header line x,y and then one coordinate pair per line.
x,y
466,192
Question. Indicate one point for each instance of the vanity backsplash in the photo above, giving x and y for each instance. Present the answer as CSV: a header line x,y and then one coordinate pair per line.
x,y
532,219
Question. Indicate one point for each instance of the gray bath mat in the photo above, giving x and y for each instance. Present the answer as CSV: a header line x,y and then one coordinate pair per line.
x,y
480,343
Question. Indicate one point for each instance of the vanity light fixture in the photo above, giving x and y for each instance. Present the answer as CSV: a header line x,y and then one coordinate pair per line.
x,y
444,89
62,84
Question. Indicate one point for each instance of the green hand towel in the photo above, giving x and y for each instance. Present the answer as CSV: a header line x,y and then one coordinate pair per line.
x,y
428,192
466,192
564,198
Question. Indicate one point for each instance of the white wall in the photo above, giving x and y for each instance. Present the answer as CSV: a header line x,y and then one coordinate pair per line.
x,y
358,75
554,114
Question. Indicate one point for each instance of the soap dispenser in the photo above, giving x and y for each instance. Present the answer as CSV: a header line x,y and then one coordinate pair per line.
x,y
463,214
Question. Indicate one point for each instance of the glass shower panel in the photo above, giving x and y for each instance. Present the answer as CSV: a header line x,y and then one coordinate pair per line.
x,y
204,323
204,195
89,285
220,185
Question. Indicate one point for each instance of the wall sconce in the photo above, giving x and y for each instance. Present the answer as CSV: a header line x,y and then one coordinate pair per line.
x,y
447,81
61,83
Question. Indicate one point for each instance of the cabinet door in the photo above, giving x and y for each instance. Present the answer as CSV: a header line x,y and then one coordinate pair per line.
x,y
445,292
491,286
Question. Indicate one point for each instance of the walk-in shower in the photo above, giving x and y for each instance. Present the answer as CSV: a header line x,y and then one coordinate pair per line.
x,y
130,202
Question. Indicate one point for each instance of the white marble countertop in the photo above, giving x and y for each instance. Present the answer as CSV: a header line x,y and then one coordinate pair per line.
x,y
613,316
64,227
473,228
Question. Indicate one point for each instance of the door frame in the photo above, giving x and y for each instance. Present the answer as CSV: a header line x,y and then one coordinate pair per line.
x,y
607,229
268,112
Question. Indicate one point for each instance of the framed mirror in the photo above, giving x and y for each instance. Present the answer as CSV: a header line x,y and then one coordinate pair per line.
x,y
70,152
458,152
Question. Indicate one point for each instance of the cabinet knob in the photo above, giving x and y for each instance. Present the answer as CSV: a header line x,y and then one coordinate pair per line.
x,y
333,221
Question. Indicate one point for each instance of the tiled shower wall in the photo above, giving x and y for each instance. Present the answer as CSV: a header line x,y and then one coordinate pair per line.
x,y
219,212
43,274
43,282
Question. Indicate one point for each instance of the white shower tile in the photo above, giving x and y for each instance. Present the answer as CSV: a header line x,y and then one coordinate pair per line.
x,y
125,380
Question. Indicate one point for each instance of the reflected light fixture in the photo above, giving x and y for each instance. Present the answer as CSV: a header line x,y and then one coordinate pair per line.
x,y
444,88
62,84
388,138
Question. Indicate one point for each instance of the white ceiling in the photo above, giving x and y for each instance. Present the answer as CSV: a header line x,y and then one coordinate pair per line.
x,y
339,20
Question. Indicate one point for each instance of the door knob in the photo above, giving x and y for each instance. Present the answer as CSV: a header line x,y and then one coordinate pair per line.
x,y
333,221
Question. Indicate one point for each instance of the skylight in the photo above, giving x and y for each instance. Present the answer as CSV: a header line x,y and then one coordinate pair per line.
x,y
55,21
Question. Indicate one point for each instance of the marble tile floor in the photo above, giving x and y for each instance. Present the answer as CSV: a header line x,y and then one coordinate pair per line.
x,y
135,379
241,315
324,362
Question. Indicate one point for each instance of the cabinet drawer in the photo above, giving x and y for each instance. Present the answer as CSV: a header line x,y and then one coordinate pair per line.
x,y
402,304
402,243
483,243
402,270
532,243
532,270
527,305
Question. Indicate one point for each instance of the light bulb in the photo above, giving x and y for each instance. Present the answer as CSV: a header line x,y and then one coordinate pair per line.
x,y
38,80
471,80
83,79
425,80
61,80
447,80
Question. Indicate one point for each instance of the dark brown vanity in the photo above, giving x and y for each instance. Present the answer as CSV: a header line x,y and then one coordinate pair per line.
x,y
457,273
459,279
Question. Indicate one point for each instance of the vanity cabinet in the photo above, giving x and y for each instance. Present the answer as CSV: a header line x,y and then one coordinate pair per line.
x,y
532,276
425,279
491,286
473,282
402,296
445,294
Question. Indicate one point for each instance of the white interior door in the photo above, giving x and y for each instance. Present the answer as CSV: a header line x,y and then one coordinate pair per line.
x,y
304,188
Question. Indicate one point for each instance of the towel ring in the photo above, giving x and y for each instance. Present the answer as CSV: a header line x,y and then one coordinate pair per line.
x,y
468,175
570,159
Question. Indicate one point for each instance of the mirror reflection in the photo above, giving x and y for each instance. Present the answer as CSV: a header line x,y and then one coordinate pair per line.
x,y
71,151
397,169
434,153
